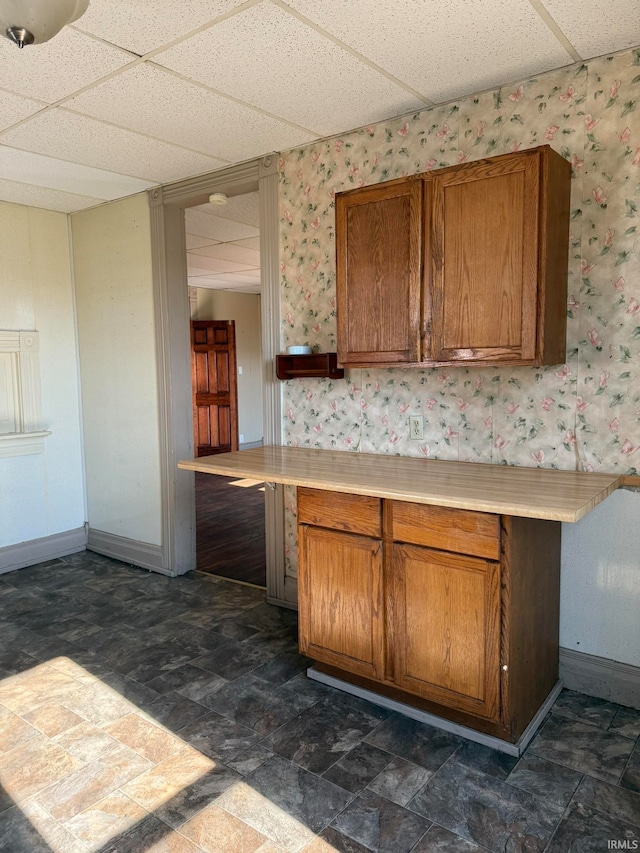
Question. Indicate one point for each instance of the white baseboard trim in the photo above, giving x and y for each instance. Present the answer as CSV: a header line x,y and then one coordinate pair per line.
x,y
41,550
601,677
130,551
515,749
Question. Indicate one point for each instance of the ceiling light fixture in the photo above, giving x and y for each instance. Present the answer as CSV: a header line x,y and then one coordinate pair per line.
x,y
218,198
36,21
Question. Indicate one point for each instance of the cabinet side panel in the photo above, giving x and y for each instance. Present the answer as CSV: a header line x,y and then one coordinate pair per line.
x,y
554,230
340,600
532,561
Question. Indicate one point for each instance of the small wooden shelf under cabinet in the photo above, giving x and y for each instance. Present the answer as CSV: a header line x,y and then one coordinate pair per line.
x,y
319,364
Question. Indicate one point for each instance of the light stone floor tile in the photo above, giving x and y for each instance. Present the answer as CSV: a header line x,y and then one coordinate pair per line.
x,y
14,731
216,831
86,742
32,819
173,843
318,845
52,719
146,738
38,686
97,703
259,812
105,820
34,766
92,782
70,668
157,785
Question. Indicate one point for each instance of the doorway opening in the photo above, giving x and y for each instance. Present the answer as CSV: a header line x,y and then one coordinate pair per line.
x,y
223,271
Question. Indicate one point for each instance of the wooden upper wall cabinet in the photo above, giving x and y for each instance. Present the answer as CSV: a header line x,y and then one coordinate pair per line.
x,y
462,265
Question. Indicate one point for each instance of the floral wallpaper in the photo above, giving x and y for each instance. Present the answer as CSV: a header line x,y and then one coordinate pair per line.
x,y
583,415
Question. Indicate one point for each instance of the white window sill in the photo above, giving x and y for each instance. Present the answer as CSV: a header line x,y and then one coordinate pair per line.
x,y
22,443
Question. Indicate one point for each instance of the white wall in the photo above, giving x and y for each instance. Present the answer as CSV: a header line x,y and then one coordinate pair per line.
x,y
244,308
43,494
112,261
600,581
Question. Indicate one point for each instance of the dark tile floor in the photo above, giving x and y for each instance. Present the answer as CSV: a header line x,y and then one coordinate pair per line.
x,y
141,713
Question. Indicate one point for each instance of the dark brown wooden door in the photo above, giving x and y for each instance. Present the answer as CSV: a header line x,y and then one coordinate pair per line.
x,y
340,600
447,628
378,276
485,260
215,395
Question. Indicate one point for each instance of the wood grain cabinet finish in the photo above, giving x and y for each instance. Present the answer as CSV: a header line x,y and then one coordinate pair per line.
x,y
340,600
379,276
447,628
462,265
452,611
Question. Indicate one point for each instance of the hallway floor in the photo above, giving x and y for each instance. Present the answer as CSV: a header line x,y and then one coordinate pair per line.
x,y
143,714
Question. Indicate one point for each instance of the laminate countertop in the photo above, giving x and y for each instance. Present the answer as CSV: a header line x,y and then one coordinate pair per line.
x,y
528,492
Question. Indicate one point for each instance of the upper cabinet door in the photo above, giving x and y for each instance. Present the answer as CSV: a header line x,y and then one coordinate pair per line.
x,y
379,276
485,251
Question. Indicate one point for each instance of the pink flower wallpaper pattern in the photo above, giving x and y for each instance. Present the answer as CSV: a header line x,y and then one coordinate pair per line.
x,y
582,415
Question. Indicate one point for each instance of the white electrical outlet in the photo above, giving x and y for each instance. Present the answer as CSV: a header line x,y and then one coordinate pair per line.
x,y
416,427
241,439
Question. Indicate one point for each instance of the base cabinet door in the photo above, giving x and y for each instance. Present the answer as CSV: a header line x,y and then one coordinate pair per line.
x,y
447,628
340,595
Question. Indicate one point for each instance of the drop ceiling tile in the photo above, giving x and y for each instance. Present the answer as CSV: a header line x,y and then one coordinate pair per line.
x,y
195,242
130,25
59,67
196,272
14,108
217,228
253,289
267,57
445,51
28,168
594,27
222,279
165,106
70,136
231,252
215,264
242,208
33,196
234,278
250,243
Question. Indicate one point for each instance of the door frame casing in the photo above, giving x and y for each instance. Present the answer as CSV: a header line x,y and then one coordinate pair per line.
x,y
173,350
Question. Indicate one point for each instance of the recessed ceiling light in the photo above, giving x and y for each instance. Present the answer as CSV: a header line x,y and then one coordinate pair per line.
x,y
218,198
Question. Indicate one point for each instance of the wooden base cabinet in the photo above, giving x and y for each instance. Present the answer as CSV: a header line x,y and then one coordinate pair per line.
x,y
452,611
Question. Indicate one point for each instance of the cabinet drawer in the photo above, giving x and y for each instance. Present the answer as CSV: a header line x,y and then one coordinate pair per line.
x,y
338,511
447,529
